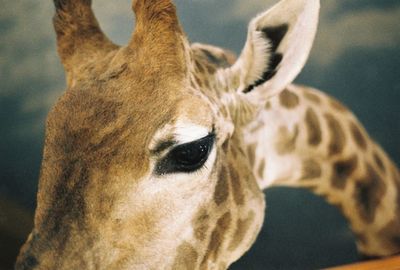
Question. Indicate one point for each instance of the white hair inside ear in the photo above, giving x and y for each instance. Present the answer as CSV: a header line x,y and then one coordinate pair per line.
x,y
277,47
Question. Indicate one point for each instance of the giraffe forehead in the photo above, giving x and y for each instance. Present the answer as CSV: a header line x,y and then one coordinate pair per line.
x,y
192,119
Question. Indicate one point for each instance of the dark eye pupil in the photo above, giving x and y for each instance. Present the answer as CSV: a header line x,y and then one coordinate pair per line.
x,y
191,154
187,157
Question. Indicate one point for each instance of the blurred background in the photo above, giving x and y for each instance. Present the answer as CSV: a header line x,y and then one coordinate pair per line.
x,y
356,58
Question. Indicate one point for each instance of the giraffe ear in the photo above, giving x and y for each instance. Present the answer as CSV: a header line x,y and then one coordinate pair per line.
x,y
79,37
277,47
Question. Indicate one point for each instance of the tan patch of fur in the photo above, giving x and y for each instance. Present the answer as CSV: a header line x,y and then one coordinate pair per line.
x,y
288,99
242,227
337,136
311,169
186,258
143,227
286,140
313,128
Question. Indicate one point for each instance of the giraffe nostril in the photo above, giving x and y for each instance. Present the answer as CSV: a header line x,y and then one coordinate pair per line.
x,y
30,262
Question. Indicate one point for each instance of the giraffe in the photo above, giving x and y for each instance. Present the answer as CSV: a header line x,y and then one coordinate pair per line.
x,y
157,153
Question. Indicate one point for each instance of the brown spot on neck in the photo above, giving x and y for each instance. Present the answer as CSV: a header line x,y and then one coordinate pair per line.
x,y
358,136
311,169
222,188
313,128
288,99
342,171
368,194
286,140
338,138
186,257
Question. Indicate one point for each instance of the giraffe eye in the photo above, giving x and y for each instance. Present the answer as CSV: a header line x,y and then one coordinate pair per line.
x,y
188,157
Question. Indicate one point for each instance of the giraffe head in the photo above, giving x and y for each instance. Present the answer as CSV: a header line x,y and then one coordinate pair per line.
x,y
143,164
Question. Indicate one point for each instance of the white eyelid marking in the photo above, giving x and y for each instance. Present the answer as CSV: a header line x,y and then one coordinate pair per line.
x,y
186,132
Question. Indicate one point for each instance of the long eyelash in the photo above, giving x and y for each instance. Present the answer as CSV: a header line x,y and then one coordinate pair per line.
x,y
200,170
203,168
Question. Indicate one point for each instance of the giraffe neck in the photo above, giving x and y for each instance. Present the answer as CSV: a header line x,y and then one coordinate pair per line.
x,y
303,138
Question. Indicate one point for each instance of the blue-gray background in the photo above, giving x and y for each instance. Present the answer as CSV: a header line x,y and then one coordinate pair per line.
x,y
356,58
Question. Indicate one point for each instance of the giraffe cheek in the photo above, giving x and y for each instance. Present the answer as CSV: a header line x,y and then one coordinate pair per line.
x,y
217,239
